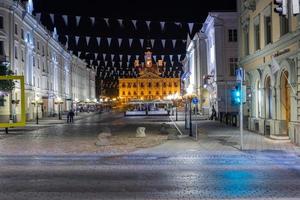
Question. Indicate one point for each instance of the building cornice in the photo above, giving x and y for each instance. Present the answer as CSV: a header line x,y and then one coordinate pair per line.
x,y
286,40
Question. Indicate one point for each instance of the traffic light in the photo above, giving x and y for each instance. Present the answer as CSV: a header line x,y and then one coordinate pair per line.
x,y
236,96
282,7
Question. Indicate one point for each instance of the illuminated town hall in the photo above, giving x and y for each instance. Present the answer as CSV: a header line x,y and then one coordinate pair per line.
x,y
150,85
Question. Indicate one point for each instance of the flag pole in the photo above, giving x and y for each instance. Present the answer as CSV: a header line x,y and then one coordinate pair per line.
x,y
295,94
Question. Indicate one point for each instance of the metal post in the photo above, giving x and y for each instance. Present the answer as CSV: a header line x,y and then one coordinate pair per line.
x,y
59,116
6,130
185,115
196,130
37,113
241,116
176,113
191,134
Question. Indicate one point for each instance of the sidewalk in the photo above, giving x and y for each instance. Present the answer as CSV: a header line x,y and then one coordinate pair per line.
x,y
49,121
219,137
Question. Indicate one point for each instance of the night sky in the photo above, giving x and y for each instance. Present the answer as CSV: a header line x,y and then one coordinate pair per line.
x,y
114,27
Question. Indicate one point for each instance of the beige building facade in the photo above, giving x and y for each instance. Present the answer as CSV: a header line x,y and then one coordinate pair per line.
x,y
272,107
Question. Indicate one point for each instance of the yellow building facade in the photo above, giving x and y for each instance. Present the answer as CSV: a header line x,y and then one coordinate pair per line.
x,y
149,85
269,53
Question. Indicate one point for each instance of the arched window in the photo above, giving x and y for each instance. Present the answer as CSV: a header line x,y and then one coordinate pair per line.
x,y
268,98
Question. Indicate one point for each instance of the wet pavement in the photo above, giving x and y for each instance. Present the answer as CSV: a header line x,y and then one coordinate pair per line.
x,y
249,175
210,168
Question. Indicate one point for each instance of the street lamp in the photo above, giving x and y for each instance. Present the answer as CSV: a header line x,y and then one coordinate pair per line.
x,y
189,97
59,101
36,102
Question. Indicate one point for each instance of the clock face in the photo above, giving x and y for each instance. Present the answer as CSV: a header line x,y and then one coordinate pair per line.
x,y
149,63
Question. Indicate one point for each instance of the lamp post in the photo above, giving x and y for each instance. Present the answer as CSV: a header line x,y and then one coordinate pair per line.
x,y
36,102
190,98
59,101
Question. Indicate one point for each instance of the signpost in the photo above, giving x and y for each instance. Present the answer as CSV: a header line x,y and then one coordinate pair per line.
x,y
240,78
195,100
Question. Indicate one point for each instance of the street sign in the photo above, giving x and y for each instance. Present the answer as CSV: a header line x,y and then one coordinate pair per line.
x,y
195,100
239,73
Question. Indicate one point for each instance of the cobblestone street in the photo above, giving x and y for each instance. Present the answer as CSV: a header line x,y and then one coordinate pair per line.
x,y
60,162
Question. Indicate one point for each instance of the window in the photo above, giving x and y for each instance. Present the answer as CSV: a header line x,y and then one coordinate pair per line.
x,y
33,61
268,30
157,93
134,85
268,97
38,45
1,48
38,63
284,25
22,55
16,29
232,35
149,92
232,66
22,34
1,22
170,84
123,93
142,93
28,37
142,84
256,37
16,52
175,84
129,93
157,84
129,85
165,85
246,42
43,51
134,92
149,85
33,80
